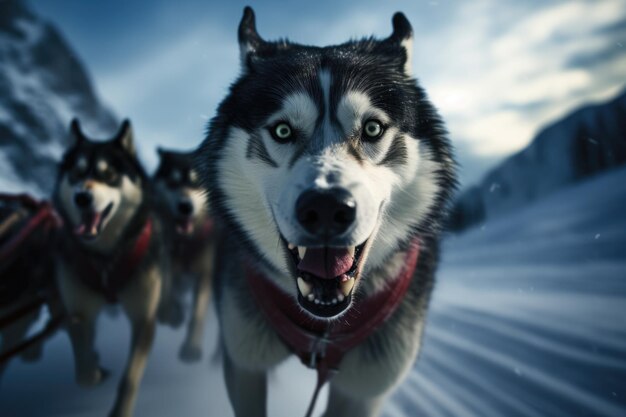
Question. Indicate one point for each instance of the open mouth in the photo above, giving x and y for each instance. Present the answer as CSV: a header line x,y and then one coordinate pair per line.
x,y
326,277
185,226
91,223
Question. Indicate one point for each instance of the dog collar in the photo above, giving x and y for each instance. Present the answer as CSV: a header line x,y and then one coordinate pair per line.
x,y
322,344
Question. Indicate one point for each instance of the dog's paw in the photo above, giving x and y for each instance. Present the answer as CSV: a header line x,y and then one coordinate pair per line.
x,y
190,353
92,378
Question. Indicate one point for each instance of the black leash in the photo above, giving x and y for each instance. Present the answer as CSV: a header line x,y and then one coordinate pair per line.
x,y
49,330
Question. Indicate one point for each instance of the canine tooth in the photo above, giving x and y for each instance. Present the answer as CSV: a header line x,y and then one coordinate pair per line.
x,y
346,286
301,251
310,297
351,250
340,297
304,287
290,246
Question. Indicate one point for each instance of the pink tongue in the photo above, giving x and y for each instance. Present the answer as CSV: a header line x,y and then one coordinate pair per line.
x,y
185,228
89,226
326,262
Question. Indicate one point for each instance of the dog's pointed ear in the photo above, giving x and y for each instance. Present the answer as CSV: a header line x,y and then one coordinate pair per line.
x,y
124,138
76,133
249,39
402,36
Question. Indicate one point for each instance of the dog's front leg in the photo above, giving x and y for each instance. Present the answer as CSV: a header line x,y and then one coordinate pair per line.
x,y
343,405
247,389
170,310
140,302
82,306
142,338
191,350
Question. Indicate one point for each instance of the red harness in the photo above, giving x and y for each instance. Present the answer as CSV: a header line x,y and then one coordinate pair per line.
x,y
322,344
109,278
44,217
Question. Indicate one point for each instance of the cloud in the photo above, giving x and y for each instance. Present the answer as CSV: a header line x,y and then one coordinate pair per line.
x,y
492,74
497,70
171,92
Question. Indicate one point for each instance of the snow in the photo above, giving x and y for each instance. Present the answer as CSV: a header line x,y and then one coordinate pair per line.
x,y
527,319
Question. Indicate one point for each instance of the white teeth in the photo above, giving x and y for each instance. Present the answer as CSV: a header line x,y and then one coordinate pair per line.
x,y
346,286
310,297
301,251
304,287
340,297
351,250
290,246
317,301
334,301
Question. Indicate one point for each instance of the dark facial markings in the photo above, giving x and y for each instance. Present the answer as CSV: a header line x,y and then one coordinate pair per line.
x,y
256,149
302,146
353,150
397,154
371,131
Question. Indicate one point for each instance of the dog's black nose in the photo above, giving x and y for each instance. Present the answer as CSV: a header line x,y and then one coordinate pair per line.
x,y
83,199
185,207
326,213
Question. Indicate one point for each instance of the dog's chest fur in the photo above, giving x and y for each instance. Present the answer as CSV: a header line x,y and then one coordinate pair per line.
x,y
253,343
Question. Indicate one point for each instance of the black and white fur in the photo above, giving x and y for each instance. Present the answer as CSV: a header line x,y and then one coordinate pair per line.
x,y
183,207
105,178
388,188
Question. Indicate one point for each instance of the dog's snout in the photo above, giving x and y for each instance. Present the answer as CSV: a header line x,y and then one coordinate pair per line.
x,y
83,199
185,207
326,213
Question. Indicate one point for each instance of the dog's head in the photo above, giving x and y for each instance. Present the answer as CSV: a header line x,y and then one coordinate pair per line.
x,y
100,186
178,184
326,161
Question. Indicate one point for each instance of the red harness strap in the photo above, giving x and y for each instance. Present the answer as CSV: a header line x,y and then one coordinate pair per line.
x,y
322,344
109,279
45,217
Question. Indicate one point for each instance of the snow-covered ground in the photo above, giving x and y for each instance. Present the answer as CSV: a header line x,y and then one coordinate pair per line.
x,y
528,319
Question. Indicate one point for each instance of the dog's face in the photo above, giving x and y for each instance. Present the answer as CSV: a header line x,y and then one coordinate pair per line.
x,y
100,186
326,160
178,184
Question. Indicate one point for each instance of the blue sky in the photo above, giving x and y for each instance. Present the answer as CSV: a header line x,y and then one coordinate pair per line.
x,y
498,70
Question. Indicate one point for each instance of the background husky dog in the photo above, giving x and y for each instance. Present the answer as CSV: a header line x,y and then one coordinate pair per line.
x,y
110,251
324,164
188,229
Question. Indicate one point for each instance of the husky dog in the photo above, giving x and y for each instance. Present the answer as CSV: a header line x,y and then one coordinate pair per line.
x,y
188,230
110,251
330,171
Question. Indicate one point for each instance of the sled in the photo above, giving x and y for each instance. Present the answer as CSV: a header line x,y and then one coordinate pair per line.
x,y
27,227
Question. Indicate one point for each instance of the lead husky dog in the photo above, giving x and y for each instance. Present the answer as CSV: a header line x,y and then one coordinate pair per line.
x,y
325,166
189,232
110,251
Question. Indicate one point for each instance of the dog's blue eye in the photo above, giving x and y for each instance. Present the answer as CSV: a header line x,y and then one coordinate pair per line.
x,y
282,132
373,129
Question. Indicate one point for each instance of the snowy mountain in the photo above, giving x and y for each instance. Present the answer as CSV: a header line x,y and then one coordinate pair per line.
x,y
588,141
42,86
